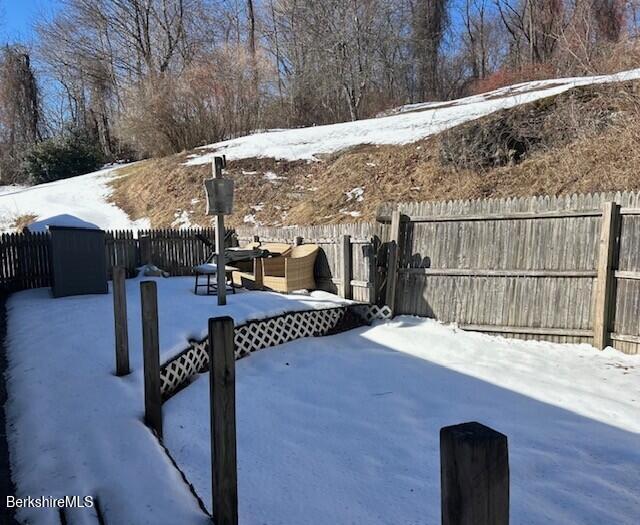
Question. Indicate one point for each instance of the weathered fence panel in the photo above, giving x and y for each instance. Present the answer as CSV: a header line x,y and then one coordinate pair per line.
x,y
24,257
365,241
626,307
121,251
525,268
24,261
178,251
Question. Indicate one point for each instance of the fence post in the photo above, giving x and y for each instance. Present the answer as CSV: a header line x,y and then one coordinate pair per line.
x,y
222,401
120,320
151,356
346,267
392,261
609,231
370,254
474,475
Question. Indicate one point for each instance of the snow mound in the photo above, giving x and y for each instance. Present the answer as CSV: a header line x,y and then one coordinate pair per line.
x,y
404,125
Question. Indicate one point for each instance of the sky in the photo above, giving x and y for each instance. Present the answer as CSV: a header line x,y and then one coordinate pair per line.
x,y
17,16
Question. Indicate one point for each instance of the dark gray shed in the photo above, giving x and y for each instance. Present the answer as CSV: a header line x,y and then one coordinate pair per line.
x,y
77,260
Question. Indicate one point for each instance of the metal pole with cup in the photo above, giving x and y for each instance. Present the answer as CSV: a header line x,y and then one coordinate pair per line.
x,y
219,203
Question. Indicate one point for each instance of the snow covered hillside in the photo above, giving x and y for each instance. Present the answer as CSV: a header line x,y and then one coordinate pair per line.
x,y
407,124
87,196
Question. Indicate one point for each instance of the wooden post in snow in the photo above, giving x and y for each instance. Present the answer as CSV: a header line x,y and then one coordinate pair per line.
x,y
222,401
120,320
474,475
151,356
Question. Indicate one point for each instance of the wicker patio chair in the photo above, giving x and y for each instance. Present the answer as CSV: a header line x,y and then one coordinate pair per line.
x,y
291,272
249,273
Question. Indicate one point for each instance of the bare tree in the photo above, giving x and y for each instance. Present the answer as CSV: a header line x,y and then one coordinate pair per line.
x,y
430,21
610,18
533,26
19,109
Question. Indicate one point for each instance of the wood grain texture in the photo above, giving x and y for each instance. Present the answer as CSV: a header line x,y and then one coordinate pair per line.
x,y
222,391
605,283
536,270
474,475
120,321
151,356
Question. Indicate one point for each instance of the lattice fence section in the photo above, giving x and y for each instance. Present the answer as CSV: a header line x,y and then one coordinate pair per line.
x,y
371,312
178,371
277,330
259,334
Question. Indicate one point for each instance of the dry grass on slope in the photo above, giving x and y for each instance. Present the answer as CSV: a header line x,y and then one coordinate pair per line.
x,y
603,158
22,221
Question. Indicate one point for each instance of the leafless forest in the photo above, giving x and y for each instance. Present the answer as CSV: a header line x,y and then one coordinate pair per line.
x,y
123,79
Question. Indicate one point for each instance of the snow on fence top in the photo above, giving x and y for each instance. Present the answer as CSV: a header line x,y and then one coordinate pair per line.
x,y
408,124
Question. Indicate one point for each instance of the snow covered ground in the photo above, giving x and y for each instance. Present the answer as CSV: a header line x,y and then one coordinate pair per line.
x,y
406,124
344,429
74,428
85,197
341,429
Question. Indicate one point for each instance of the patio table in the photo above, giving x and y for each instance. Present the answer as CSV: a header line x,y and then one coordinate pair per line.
x,y
211,269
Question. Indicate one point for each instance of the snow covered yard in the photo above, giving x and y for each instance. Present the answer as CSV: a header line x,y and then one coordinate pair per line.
x,y
339,429
344,429
75,428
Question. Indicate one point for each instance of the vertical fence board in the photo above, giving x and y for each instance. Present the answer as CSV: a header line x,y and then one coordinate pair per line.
x,y
605,282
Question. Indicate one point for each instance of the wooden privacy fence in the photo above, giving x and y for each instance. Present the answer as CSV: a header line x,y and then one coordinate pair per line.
x,y
175,251
24,258
564,269
24,261
345,249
